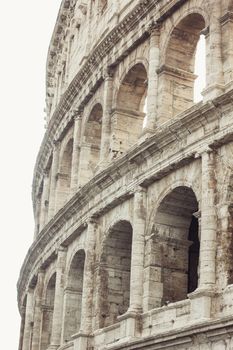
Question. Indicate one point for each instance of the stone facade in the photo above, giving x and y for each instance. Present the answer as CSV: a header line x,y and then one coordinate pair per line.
x,y
133,183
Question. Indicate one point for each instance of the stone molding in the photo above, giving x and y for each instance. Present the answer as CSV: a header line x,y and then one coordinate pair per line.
x,y
170,133
61,119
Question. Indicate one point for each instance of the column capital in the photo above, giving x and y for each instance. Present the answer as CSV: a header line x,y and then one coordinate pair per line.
x,y
205,32
77,113
92,220
56,144
46,172
40,272
154,28
30,289
108,73
61,249
205,149
139,189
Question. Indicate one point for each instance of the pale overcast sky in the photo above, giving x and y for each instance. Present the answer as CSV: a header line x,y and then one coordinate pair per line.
x,y
26,28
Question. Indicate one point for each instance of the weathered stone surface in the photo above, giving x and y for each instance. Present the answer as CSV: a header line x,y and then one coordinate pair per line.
x,y
133,183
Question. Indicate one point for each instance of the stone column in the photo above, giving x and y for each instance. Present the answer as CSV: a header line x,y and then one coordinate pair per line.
x,y
22,325
54,171
106,119
37,215
86,320
58,300
197,215
151,114
227,43
208,222
44,200
82,338
37,311
215,79
224,249
138,243
76,152
201,298
27,336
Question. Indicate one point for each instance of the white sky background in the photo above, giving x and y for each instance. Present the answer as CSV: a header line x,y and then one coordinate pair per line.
x,y
26,28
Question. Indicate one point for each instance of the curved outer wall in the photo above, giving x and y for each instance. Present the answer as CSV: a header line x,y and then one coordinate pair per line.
x,y
132,188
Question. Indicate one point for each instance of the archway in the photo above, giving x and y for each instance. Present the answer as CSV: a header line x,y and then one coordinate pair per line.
x,y
64,175
90,151
174,248
47,313
73,296
177,74
129,114
115,273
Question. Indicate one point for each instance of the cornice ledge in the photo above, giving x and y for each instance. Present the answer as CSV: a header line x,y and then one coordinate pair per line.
x,y
159,140
76,85
185,335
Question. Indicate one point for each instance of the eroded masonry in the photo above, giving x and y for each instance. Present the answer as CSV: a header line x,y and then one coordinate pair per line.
x,y
133,183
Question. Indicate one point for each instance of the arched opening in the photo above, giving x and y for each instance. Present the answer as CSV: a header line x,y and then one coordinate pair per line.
x,y
177,76
64,175
174,248
129,114
115,273
45,194
90,152
73,296
47,313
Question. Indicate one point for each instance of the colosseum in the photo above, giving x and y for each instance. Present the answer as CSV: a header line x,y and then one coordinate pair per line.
x,y
133,184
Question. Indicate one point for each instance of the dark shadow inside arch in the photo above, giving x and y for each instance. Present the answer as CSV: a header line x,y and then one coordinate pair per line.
x,y
92,138
115,273
177,76
175,247
129,112
73,296
64,175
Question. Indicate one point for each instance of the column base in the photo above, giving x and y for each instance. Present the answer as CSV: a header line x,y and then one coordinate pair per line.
x,y
145,134
201,302
82,341
212,91
130,325
229,86
53,347
103,164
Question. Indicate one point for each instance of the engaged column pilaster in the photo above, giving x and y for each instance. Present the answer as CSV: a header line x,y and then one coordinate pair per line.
x,y
76,152
58,300
208,222
152,92
55,164
106,120
138,244
214,77
83,337
201,299
37,311
27,335
44,200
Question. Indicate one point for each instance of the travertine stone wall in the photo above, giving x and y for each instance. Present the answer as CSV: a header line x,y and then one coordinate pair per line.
x,y
132,189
